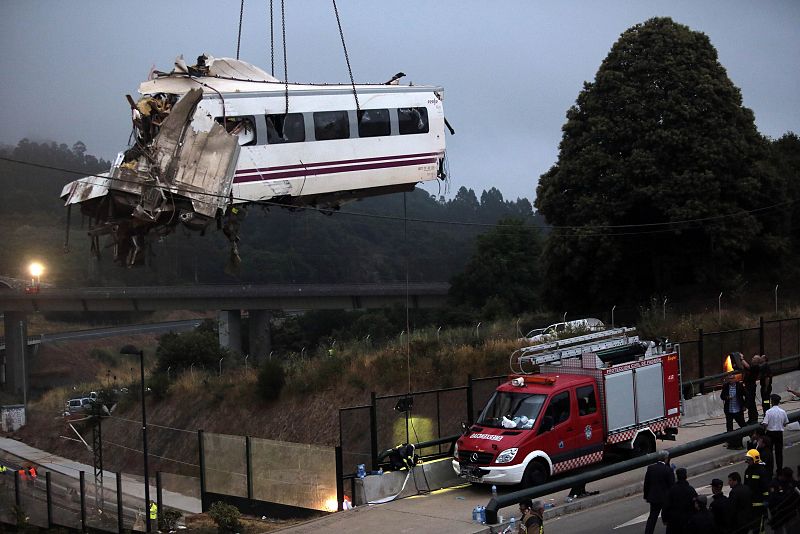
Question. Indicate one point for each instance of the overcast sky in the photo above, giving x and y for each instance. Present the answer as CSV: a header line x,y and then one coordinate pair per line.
x,y
510,69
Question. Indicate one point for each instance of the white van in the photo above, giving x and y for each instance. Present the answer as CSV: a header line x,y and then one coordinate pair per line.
x,y
558,330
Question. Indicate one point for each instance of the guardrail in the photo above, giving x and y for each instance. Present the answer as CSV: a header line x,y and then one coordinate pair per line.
x,y
514,498
711,378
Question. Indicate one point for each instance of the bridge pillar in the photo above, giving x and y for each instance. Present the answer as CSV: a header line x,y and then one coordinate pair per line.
x,y
15,376
230,330
260,335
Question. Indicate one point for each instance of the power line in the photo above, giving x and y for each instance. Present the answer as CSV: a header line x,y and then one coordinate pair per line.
x,y
670,225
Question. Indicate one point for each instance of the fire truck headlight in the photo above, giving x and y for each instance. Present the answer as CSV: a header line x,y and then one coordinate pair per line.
x,y
506,456
455,451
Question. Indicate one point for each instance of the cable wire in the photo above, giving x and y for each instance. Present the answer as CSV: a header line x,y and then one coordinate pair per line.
x,y
670,226
239,38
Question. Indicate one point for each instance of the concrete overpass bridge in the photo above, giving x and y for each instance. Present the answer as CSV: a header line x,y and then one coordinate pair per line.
x,y
229,300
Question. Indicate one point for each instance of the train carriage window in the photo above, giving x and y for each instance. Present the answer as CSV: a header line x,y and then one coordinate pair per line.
x,y
373,123
286,128
412,120
244,127
331,125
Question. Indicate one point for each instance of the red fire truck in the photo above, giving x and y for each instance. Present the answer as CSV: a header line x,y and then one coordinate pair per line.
x,y
578,398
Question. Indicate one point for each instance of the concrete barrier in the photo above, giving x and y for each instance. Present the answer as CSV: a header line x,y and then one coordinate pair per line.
x,y
701,407
429,476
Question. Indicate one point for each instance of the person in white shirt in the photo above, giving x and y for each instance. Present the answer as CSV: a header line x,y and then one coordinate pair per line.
x,y
774,421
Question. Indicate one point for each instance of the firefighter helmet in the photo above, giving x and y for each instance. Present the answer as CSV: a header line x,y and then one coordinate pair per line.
x,y
753,455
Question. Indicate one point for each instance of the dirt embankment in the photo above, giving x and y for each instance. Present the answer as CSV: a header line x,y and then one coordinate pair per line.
x,y
228,405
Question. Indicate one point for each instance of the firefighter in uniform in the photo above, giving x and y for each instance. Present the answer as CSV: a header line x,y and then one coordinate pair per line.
x,y
532,520
757,479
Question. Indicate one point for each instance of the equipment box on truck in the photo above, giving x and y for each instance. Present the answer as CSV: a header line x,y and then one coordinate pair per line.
x,y
581,397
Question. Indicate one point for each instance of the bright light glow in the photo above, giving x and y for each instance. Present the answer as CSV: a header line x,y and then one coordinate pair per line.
x,y
331,504
36,269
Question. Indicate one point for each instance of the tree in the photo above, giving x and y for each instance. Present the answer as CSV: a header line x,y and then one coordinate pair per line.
x,y
504,268
659,139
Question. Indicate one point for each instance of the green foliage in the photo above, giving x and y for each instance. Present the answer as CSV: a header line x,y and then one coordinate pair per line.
x,y
103,356
504,268
226,517
159,385
660,136
179,351
271,379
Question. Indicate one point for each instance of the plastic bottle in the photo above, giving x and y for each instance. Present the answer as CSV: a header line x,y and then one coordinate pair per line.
x,y
475,515
361,471
482,513
494,491
512,526
569,499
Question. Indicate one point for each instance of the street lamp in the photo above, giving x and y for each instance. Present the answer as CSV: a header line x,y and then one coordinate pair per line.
x,y
35,269
133,351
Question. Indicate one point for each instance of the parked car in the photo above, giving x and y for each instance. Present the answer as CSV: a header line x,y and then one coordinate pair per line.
x,y
559,330
74,405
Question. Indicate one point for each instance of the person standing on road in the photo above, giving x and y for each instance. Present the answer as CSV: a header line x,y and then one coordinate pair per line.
x,y
775,420
765,379
720,508
763,444
740,499
751,377
757,479
679,504
532,520
733,398
658,479
702,521
153,511
784,503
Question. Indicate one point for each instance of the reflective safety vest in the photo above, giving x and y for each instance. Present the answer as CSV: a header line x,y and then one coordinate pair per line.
x,y
23,475
32,472
153,511
3,469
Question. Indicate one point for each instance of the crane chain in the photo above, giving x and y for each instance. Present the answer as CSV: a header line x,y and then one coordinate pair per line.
x,y
346,56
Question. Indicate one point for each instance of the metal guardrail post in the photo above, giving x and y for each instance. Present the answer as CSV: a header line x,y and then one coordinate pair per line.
x,y
373,431
469,399
249,463
82,483
202,462
700,363
120,511
49,493
159,503
339,478
17,496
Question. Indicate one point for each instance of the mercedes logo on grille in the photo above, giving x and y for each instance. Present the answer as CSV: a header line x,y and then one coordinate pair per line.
x,y
474,457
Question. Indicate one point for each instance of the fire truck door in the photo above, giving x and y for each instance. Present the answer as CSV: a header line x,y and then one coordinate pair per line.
x,y
557,429
589,425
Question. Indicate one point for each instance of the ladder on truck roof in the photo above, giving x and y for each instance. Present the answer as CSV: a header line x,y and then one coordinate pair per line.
x,y
576,346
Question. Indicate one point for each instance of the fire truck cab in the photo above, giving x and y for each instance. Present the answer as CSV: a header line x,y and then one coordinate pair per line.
x,y
580,397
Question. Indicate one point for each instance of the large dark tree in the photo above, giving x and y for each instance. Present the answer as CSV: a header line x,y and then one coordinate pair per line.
x,y
659,169
503,269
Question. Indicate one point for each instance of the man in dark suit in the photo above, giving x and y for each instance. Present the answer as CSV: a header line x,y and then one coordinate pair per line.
x,y
734,401
679,504
657,482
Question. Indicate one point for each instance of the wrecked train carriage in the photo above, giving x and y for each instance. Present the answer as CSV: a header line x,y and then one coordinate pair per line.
x,y
223,133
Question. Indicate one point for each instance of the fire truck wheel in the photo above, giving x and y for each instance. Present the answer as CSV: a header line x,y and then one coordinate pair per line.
x,y
535,474
643,444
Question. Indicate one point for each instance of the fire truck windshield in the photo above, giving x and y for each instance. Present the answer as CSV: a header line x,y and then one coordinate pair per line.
x,y
512,410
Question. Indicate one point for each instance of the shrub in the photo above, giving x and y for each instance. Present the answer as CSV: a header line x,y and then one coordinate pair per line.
x,y
169,519
271,379
225,516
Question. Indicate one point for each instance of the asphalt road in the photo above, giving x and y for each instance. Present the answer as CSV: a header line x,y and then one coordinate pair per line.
x,y
628,516
111,331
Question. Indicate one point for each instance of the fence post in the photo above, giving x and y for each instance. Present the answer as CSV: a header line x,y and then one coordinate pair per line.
x,y
700,363
17,496
159,503
339,478
761,335
373,431
120,511
82,483
202,461
49,489
469,399
248,452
